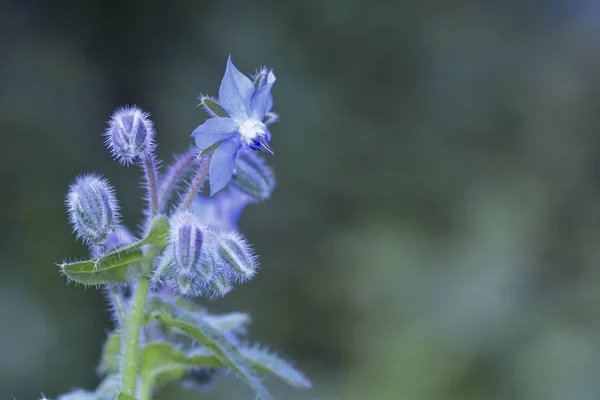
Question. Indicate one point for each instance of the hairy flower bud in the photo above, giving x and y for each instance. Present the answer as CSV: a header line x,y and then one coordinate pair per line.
x,y
93,209
130,134
237,254
190,263
253,176
186,237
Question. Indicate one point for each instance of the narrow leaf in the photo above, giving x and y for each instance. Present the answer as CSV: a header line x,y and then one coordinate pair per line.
x,y
162,363
235,321
113,267
214,340
263,361
119,265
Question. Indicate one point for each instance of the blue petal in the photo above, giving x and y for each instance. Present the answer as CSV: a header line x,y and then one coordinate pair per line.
x,y
214,130
222,165
262,101
235,92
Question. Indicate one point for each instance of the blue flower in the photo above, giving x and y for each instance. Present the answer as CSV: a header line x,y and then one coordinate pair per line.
x,y
238,121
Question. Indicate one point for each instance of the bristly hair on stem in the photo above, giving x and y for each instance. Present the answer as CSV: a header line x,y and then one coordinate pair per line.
x,y
150,168
201,171
175,174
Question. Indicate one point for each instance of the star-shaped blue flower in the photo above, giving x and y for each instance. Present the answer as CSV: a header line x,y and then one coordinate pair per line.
x,y
238,121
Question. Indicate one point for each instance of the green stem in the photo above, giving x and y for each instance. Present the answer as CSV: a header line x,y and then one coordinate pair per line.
x,y
131,337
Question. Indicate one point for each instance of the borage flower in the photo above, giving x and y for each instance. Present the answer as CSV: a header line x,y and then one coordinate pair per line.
x,y
238,121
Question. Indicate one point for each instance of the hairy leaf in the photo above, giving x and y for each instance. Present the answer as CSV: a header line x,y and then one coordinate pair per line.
x,y
263,361
204,333
119,265
113,267
163,362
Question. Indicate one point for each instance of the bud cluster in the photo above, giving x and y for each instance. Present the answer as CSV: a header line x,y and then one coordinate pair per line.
x,y
201,261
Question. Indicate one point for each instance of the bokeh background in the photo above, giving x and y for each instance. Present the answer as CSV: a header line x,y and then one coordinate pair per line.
x,y
435,229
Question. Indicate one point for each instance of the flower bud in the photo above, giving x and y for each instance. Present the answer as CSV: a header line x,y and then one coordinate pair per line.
x,y
93,209
253,176
186,237
237,254
130,134
189,266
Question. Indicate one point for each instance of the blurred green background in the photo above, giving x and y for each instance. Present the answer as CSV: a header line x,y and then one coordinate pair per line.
x,y
434,232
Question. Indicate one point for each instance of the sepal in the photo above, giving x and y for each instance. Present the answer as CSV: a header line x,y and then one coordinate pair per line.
x,y
212,106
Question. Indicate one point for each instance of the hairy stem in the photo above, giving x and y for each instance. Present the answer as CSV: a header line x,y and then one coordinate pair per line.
x,y
197,182
174,174
151,181
131,337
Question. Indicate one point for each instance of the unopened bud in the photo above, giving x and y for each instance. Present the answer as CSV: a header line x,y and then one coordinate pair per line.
x,y
93,209
253,176
130,134
237,254
186,237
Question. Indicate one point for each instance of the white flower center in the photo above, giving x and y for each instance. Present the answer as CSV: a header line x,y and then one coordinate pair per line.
x,y
252,128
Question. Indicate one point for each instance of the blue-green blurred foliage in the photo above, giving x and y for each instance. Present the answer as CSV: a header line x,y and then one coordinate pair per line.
x,y
434,232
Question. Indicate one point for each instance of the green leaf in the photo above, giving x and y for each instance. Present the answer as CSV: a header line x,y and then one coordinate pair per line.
x,y
235,321
213,106
159,231
109,361
263,361
113,267
162,363
119,265
204,333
